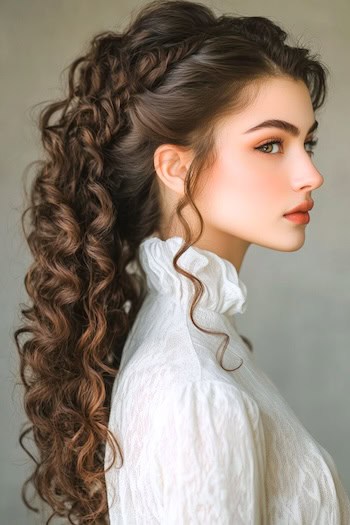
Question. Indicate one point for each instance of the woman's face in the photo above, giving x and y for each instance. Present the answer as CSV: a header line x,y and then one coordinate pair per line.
x,y
250,187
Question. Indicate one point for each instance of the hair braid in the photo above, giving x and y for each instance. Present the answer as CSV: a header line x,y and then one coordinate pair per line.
x,y
148,67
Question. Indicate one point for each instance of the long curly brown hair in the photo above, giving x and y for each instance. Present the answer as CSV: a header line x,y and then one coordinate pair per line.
x,y
95,198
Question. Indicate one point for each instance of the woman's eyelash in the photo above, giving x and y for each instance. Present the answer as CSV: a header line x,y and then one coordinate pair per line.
x,y
311,142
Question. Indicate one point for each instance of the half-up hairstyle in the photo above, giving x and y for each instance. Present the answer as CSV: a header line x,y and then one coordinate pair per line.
x,y
95,198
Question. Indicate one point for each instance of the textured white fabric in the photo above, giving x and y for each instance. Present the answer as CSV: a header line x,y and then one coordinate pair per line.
x,y
202,445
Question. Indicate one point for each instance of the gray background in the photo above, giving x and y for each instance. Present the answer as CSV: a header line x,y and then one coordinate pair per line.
x,y
298,302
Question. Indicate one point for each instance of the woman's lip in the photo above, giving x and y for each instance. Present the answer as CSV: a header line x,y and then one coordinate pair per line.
x,y
300,217
305,206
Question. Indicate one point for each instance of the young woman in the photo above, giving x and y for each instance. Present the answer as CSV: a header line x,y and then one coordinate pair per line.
x,y
183,140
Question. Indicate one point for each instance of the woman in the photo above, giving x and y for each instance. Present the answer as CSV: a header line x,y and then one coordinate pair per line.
x,y
182,140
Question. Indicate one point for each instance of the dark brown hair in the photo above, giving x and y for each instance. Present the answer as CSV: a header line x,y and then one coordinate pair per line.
x,y
95,198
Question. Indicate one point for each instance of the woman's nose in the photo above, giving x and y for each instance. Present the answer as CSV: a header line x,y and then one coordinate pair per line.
x,y
307,176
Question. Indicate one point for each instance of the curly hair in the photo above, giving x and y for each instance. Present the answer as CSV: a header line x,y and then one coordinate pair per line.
x,y
95,198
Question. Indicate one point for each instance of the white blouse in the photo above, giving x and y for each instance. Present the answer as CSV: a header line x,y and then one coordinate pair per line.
x,y
202,445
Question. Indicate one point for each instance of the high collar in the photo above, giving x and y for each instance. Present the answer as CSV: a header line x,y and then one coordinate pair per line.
x,y
224,291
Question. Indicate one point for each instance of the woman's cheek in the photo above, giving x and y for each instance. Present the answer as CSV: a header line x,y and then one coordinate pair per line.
x,y
242,189
263,185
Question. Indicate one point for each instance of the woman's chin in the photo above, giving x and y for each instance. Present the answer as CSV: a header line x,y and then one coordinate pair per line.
x,y
286,242
294,243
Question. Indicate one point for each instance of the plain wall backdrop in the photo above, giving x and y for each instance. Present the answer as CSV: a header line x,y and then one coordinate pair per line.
x,y
298,305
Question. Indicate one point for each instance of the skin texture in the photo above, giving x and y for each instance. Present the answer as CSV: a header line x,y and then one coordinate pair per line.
x,y
247,191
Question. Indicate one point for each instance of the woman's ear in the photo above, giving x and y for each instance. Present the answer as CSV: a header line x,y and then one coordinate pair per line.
x,y
171,163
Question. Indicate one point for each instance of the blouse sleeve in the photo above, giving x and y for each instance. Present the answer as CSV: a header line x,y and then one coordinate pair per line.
x,y
208,455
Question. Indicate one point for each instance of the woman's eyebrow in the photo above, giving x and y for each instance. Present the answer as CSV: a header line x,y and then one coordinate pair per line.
x,y
282,124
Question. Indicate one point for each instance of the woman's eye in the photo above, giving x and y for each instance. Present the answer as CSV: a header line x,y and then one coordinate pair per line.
x,y
312,143
265,148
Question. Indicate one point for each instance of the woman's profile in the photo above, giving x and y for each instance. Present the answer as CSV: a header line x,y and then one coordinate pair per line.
x,y
182,140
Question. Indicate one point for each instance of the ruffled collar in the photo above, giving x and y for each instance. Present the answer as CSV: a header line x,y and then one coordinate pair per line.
x,y
224,291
